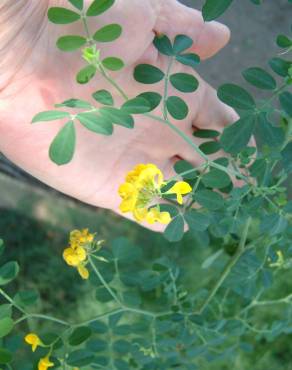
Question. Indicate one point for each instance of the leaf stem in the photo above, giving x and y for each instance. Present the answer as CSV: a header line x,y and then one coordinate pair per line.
x,y
166,82
228,268
105,284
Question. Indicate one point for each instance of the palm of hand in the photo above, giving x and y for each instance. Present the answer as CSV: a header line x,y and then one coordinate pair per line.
x,y
47,77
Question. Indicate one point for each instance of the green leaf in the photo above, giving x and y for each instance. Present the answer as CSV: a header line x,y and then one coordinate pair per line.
x,y
237,136
288,207
163,45
132,298
182,43
70,43
267,133
273,224
86,74
148,74
80,357
152,98
102,295
175,229
108,33
184,82
236,97
183,166
59,15
216,179
286,102
97,345
1,247
50,115
117,116
176,107
94,122
287,157
103,97
79,335
210,147
5,356
212,9
8,272
74,103
26,298
136,106
206,134
99,6
197,221
113,63
77,3
99,327
209,199
260,78
211,259
124,251
122,346
63,146
284,41
191,60
5,310
280,66
6,326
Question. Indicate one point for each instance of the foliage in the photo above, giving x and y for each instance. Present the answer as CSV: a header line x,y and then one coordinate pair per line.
x,y
153,319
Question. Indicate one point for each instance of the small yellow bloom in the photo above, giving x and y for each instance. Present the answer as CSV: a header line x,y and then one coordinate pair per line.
x,y
33,340
45,363
75,255
154,215
180,188
83,272
80,238
143,187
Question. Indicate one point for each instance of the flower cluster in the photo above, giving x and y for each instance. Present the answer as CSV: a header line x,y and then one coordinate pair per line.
x,y
76,254
34,341
143,186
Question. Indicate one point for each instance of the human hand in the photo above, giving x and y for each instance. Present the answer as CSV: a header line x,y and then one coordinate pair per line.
x,y
35,76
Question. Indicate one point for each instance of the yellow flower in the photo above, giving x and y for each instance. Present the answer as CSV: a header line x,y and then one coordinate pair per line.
x,y
142,187
76,254
74,257
33,340
45,363
83,272
80,238
154,215
180,188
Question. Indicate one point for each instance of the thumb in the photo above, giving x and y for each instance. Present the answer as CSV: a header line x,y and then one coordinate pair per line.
x,y
176,18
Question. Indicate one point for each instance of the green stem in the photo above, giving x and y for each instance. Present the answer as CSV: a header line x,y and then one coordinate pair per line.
x,y
105,284
196,148
275,94
10,300
86,28
102,316
166,82
44,317
228,268
113,83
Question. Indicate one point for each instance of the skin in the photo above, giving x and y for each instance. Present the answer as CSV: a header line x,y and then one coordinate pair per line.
x,y
34,75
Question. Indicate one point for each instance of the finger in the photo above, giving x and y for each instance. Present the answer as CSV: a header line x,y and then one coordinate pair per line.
x,y
212,113
208,38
